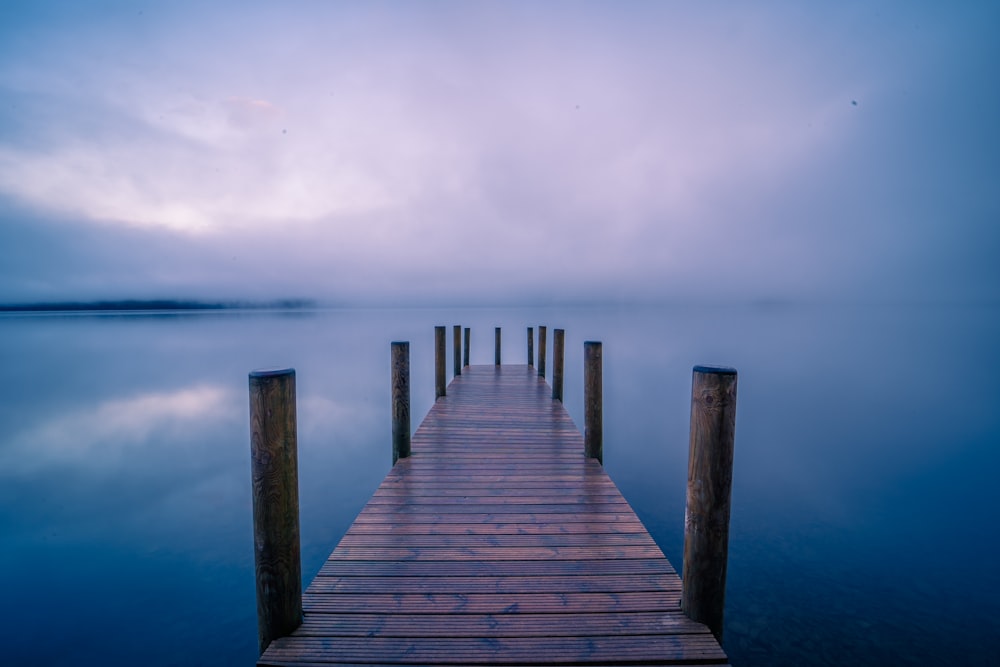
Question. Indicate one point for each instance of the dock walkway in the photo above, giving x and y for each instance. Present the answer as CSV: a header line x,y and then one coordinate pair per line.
x,y
496,543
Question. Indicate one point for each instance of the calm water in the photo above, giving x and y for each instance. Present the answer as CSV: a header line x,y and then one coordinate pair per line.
x,y
865,505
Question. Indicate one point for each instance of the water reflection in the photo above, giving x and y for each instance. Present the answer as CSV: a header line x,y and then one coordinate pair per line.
x,y
101,435
865,443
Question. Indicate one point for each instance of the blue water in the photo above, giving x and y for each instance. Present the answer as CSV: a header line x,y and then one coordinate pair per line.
x,y
864,527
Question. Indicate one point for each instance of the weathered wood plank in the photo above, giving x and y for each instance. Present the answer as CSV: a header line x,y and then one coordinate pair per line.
x,y
499,651
483,603
424,585
495,553
499,625
465,541
498,516
538,528
497,542
402,500
333,568
537,508
640,663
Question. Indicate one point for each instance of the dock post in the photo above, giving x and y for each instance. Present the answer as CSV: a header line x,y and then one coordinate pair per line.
x,y
465,349
400,400
593,433
558,341
439,363
531,346
710,478
457,344
497,352
541,351
275,487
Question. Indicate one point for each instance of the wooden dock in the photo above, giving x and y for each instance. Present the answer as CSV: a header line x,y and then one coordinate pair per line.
x,y
496,543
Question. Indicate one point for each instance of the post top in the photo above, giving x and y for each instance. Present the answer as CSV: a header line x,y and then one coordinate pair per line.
x,y
271,372
715,370
400,342
591,342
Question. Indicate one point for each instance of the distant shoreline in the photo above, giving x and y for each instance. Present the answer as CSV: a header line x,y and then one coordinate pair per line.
x,y
131,305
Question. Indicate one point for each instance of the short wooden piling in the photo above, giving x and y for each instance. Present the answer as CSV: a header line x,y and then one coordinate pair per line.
x,y
275,487
593,408
439,362
465,348
710,477
497,346
457,345
558,341
541,351
400,400
531,346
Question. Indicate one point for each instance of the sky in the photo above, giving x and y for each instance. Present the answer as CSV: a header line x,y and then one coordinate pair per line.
x,y
500,152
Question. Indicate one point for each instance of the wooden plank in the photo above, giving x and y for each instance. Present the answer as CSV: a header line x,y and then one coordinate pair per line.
x,y
436,585
538,528
565,492
512,568
494,553
498,515
499,625
498,651
537,508
482,603
465,541
640,663
397,501
496,543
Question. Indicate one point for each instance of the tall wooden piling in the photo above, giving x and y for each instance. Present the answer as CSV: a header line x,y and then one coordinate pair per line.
x,y
275,487
457,345
531,346
558,341
439,362
400,400
541,351
593,406
465,348
497,346
710,477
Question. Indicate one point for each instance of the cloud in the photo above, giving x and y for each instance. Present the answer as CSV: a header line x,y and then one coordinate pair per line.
x,y
555,124
592,146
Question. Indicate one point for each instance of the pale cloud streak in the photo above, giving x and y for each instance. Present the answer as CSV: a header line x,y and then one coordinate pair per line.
x,y
109,432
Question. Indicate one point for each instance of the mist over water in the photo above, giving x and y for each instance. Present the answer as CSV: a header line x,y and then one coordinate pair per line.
x,y
863,526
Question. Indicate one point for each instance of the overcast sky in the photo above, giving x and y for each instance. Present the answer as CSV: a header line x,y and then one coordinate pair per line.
x,y
481,152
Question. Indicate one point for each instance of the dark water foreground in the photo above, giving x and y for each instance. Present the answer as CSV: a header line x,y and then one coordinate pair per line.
x,y
864,505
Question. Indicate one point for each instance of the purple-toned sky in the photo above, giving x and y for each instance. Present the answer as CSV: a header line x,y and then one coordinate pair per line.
x,y
469,152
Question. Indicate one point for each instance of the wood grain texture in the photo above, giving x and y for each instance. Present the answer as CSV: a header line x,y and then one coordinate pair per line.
x,y
558,358
710,481
497,542
541,351
400,359
593,400
440,388
275,489
465,347
457,349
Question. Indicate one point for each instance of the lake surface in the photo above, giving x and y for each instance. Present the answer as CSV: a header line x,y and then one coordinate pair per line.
x,y
865,502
